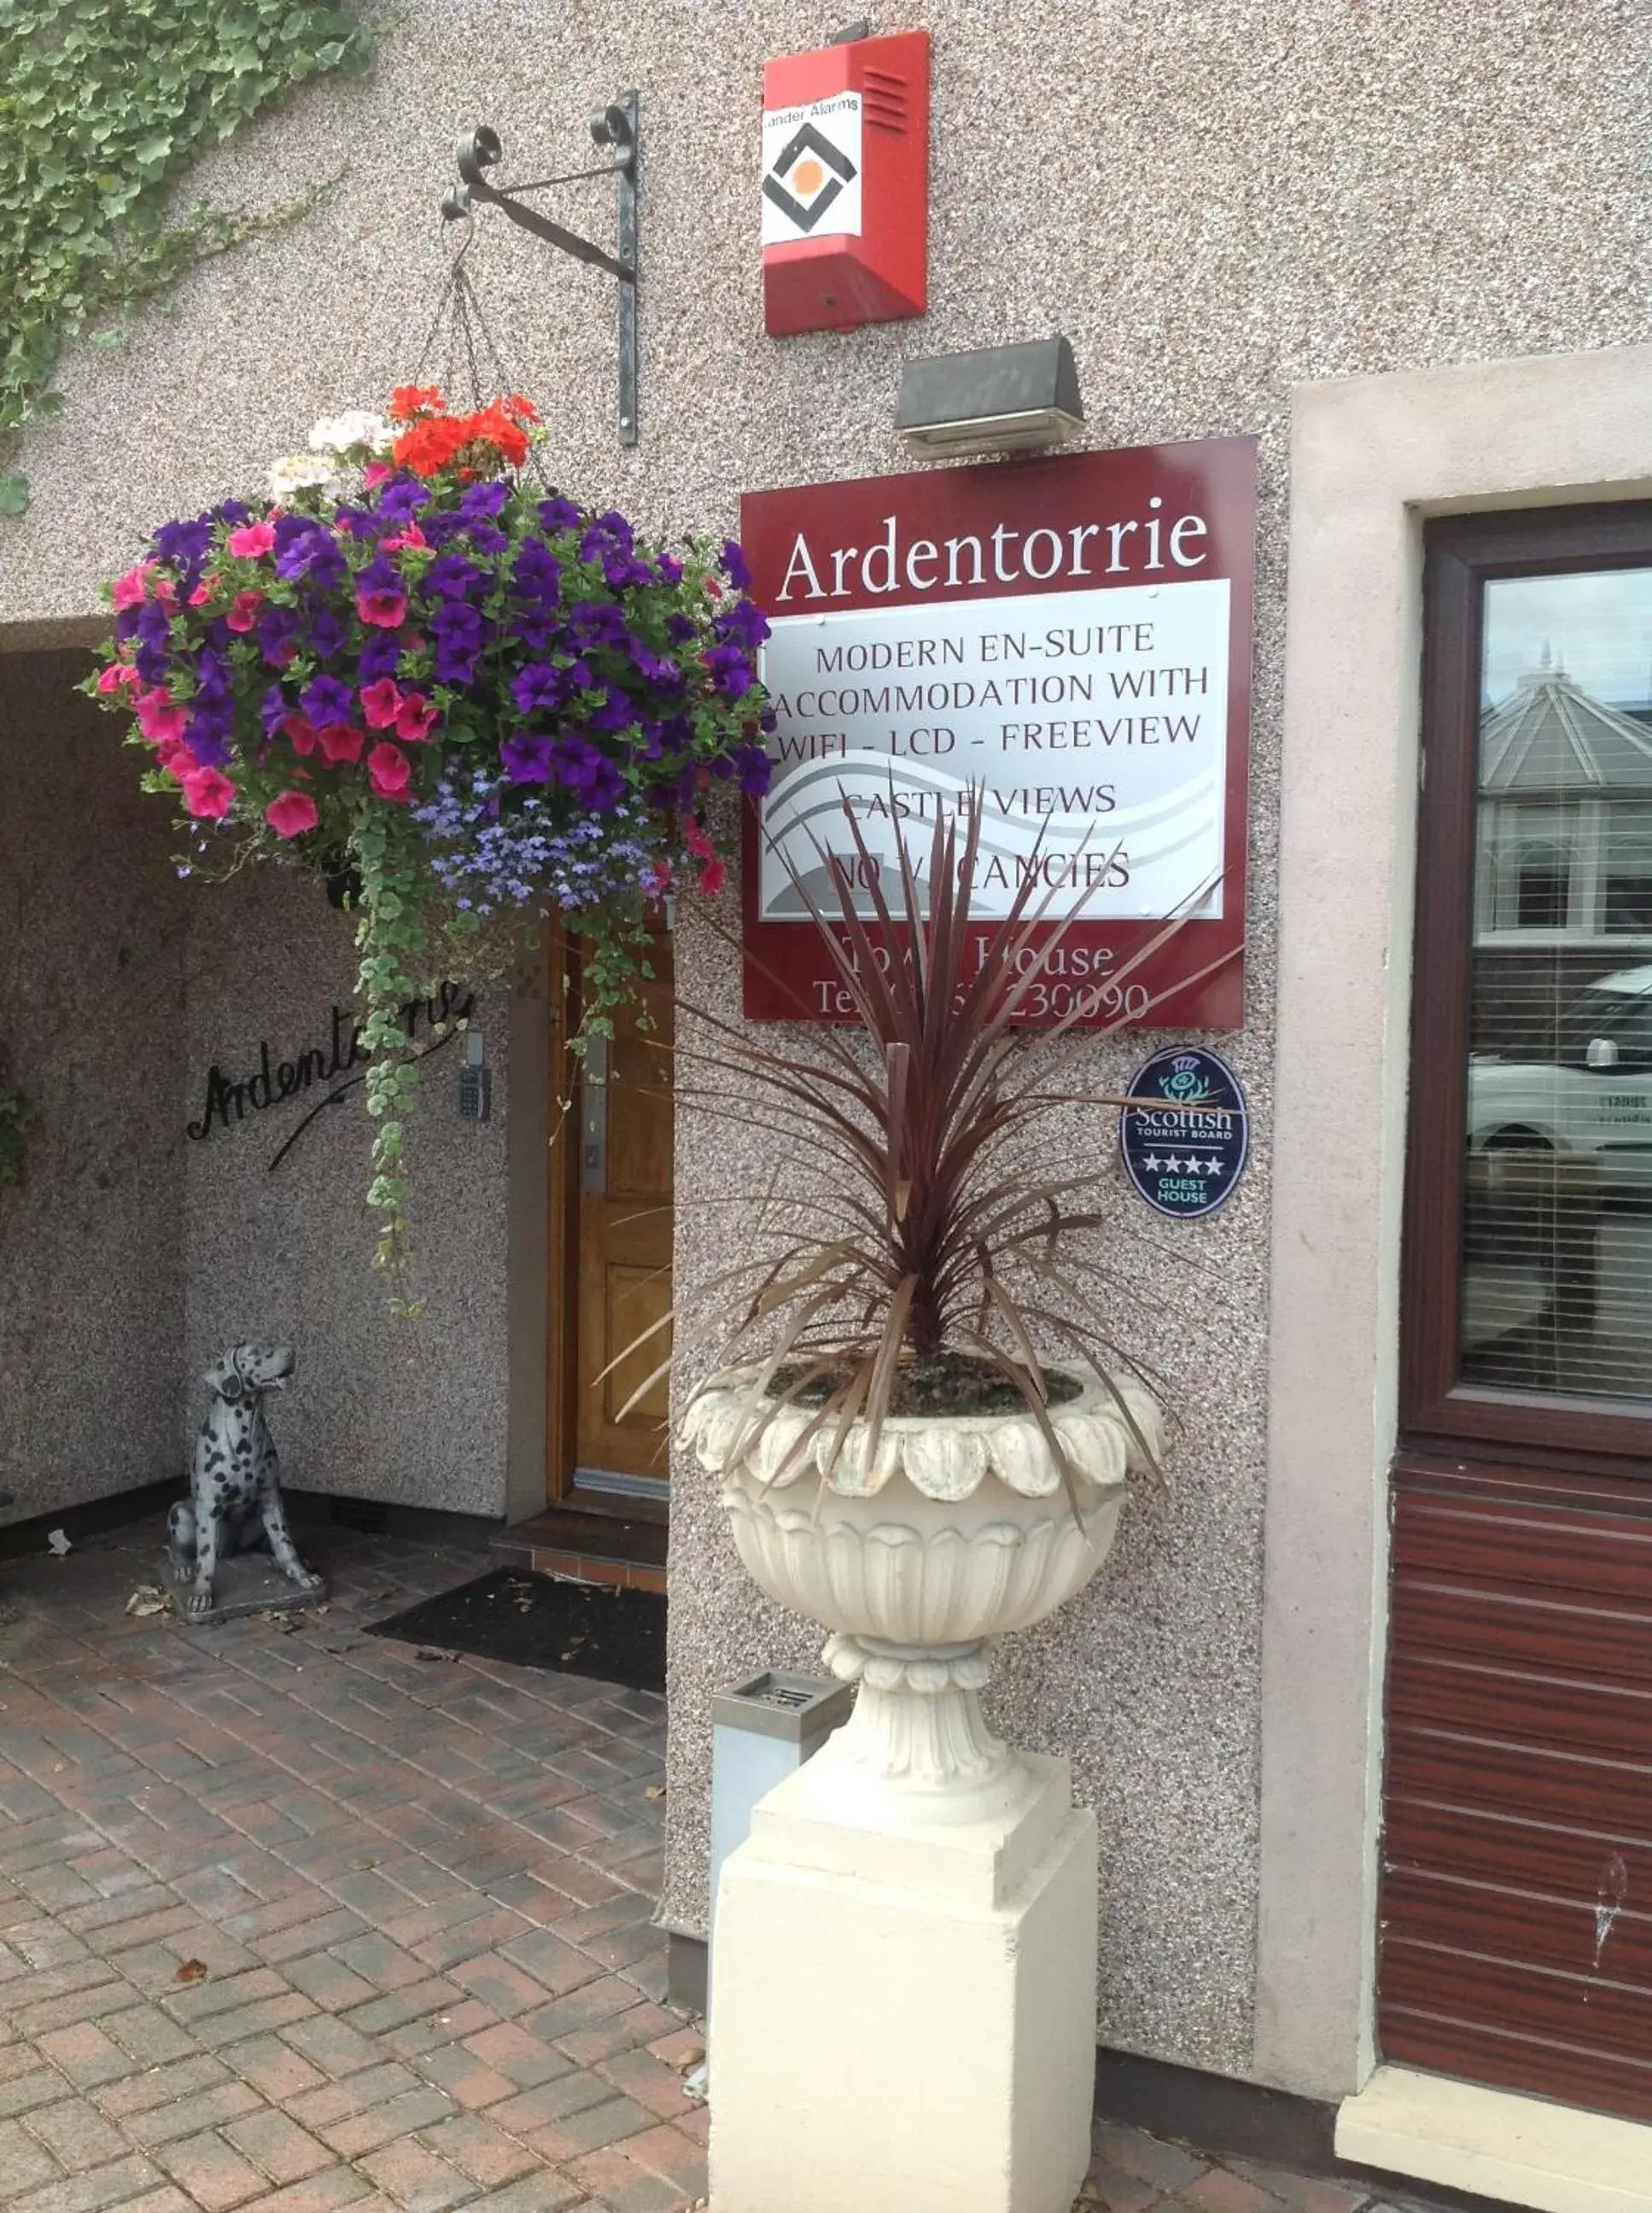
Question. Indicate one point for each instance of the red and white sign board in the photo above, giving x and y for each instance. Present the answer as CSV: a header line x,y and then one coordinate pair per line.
x,y
846,183
1070,635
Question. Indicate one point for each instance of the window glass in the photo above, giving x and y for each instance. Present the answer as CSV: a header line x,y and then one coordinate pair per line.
x,y
1555,1286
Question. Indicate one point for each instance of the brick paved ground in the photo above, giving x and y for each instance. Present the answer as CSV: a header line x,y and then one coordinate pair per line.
x,y
292,1919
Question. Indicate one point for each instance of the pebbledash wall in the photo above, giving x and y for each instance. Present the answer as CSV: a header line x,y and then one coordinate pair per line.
x,y
1219,202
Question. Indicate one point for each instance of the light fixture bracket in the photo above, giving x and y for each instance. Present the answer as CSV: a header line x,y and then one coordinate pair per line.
x,y
616,127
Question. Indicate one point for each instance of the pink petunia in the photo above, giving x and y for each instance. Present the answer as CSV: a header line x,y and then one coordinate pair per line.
x,y
201,595
389,771
175,758
411,536
252,541
341,741
209,793
384,610
713,876
415,717
380,703
291,813
697,841
118,676
133,588
157,717
300,731
375,473
244,613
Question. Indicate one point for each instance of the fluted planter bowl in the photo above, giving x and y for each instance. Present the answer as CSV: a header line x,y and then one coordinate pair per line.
x,y
962,1531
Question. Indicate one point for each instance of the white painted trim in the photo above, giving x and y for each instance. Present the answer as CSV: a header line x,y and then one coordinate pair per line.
x,y
1369,458
1523,2150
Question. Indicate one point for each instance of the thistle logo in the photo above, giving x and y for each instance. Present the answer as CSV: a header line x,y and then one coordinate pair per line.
x,y
1183,1081
812,170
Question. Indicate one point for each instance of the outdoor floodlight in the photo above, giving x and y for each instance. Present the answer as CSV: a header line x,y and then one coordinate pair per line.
x,y
998,399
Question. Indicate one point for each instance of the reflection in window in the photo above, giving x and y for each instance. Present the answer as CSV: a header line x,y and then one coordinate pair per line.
x,y
1556,1257
1541,877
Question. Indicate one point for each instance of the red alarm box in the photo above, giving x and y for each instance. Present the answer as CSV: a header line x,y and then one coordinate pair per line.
x,y
846,184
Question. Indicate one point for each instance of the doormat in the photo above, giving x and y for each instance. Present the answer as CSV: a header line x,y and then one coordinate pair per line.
x,y
595,1630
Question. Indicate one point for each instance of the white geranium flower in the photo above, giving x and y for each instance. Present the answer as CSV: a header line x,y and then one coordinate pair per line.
x,y
302,472
355,427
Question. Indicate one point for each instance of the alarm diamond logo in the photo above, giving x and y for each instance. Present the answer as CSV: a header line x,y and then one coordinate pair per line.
x,y
812,170
806,176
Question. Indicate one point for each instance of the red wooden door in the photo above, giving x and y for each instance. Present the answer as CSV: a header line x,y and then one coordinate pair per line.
x,y
1515,1912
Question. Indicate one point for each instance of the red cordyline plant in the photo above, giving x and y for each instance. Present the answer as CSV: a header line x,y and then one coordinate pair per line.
x,y
940,1258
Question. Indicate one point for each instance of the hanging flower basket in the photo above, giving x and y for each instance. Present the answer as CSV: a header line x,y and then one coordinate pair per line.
x,y
461,699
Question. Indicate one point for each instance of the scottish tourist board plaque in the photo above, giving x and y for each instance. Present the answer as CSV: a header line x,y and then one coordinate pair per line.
x,y
1185,1143
1071,636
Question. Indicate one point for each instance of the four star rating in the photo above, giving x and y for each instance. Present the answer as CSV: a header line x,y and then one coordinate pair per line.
x,y
1173,1164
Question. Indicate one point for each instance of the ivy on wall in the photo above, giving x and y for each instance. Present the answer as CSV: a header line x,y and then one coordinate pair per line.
x,y
103,105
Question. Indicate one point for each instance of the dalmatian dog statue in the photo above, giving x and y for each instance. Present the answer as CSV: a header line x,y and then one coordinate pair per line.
x,y
234,1499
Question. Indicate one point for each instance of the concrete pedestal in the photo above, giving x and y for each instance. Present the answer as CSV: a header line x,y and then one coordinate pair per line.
x,y
905,2009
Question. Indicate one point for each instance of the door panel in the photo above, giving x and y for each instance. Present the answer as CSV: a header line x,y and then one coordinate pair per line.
x,y
1515,1915
622,1235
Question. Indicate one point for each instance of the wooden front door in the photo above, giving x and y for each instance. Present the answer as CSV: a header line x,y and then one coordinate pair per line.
x,y
1516,1915
615,1274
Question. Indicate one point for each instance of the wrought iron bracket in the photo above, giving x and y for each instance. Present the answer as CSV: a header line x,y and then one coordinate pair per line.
x,y
616,128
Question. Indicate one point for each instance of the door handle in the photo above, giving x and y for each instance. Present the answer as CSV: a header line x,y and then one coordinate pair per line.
x,y
594,1117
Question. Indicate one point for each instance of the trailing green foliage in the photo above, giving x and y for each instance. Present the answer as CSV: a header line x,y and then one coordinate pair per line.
x,y
103,104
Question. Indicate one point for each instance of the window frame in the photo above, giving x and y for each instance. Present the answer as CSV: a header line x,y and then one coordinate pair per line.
x,y
1461,554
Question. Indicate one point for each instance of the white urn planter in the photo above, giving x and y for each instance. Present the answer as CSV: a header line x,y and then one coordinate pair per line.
x,y
904,1955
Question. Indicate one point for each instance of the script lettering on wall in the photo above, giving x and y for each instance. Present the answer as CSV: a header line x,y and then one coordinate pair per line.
x,y
229,1098
1071,636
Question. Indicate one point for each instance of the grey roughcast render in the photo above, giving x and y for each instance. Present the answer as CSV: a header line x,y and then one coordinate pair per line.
x,y
234,1499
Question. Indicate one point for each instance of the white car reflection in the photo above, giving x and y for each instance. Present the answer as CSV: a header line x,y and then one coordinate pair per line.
x,y
1594,1099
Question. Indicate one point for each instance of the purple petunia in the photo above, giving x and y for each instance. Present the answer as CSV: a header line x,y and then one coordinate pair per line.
x,y
528,760
743,624
272,708
311,551
325,699
327,632
458,631
733,565
401,500
537,629
597,622
731,673
655,667
482,501
539,689
620,570
380,655
451,576
589,773
185,545
559,513
277,632
537,574
617,711
754,769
